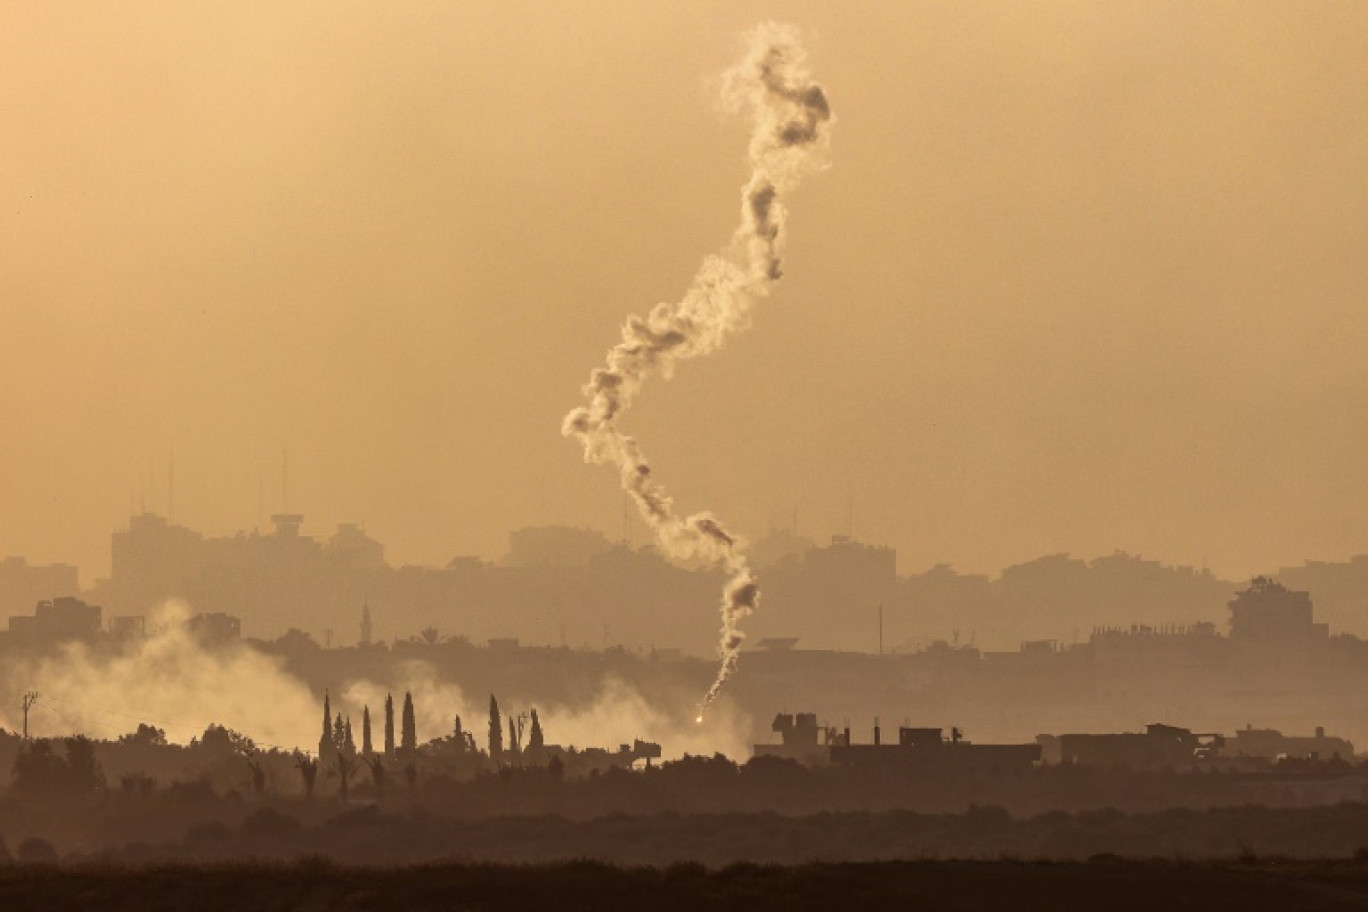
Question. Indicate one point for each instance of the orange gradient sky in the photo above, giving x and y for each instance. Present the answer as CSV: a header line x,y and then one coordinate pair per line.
x,y
1083,276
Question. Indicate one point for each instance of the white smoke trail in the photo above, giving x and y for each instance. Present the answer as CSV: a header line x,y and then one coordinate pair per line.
x,y
790,137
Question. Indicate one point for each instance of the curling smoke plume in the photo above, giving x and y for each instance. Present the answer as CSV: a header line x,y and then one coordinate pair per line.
x,y
790,138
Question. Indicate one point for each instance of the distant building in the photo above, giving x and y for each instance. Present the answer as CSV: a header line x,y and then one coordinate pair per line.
x,y
56,620
779,546
1269,613
215,627
1270,744
849,559
23,585
287,524
127,626
926,750
351,545
555,546
577,763
847,579
274,581
801,739
1158,747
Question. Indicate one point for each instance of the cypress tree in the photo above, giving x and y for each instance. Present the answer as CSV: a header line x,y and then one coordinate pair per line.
x,y
410,731
495,731
339,733
535,741
365,731
325,741
513,746
349,744
389,726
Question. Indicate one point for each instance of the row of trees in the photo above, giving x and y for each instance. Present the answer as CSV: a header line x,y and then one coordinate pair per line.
x,y
337,738
525,743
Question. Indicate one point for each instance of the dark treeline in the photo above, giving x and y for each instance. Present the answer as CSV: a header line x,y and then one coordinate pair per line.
x,y
372,837
62,802
1250,884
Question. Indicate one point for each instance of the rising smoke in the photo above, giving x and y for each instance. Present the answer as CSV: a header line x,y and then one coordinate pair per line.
x,y
617,713
791,120
172,680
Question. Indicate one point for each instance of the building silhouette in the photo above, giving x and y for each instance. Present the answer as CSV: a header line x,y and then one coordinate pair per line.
x,y
57,620
23,585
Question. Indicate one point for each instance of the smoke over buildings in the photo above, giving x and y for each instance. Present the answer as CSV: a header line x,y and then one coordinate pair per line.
x,y
791,118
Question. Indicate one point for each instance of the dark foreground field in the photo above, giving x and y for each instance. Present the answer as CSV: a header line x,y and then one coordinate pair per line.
x,y
1117,886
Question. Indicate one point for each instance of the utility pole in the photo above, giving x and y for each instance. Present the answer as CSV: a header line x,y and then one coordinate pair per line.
x,y
30,698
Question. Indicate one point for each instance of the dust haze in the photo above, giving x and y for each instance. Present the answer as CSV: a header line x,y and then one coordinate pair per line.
x,y
1077,263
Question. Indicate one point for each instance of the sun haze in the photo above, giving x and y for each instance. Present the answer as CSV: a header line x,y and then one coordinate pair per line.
x,y
1086,276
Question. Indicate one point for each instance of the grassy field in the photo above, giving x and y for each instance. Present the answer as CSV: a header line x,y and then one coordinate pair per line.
x,y
1116,886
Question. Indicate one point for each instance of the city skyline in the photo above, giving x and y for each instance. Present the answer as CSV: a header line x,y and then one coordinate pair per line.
x,y
563,584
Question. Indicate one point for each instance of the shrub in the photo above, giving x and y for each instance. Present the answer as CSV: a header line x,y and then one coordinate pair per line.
x,y
36,851
268,823
207,832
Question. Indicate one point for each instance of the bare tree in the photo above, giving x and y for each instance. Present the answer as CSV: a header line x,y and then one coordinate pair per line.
x,y
377,772
258,775
308,768
343,766
30,698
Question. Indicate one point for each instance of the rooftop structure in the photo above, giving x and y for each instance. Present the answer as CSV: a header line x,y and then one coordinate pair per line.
x,y
215,627
58,619
925,749
1268,612
1159,746
1268,743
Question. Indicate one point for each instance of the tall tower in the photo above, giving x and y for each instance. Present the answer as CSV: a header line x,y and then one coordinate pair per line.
x,y
365,623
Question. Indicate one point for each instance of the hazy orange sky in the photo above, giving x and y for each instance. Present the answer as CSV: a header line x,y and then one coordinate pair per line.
x,y
1083,276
